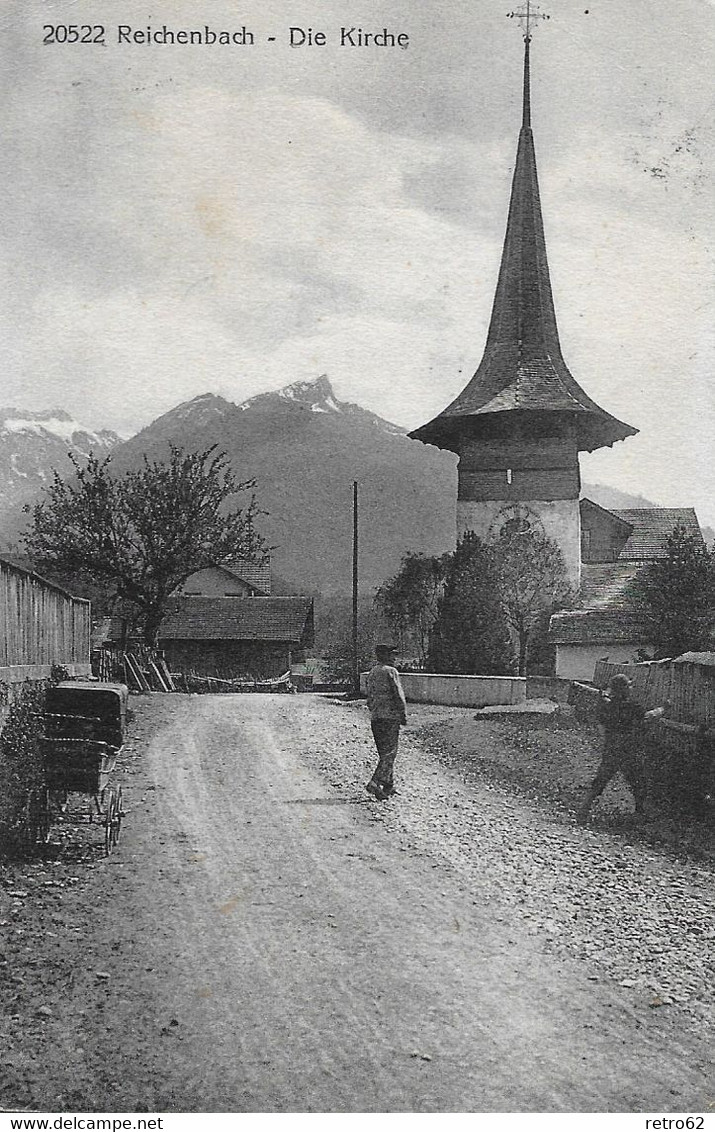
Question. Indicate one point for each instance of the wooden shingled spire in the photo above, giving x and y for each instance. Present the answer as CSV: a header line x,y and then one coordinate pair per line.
x,y
523,370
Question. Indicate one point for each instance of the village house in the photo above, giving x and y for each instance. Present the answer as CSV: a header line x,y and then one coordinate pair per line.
x,y
615,548
237,578
215,630
224,622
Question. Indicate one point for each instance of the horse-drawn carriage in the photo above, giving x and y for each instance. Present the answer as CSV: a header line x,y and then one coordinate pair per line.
x,y
84,726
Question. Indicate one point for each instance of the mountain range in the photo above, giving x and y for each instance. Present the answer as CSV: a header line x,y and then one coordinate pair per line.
x,y
32,447
304,448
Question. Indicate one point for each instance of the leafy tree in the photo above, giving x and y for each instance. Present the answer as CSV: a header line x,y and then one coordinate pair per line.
x,y
533,584
408,602
678,595
334,635
470,633
145,532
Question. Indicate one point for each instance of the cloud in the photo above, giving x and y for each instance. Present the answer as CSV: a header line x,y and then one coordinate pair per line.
x,y
209,230
263,230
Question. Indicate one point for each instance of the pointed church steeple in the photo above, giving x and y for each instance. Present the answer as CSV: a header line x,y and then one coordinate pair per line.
x,y
520,423
523,369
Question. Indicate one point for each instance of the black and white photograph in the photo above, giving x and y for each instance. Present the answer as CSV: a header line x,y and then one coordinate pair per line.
x,y
357,561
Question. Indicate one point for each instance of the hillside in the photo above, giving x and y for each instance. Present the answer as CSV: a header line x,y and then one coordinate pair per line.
x,y
305,448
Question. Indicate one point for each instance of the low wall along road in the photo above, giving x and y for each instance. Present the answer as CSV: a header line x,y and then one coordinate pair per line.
x,y
459,691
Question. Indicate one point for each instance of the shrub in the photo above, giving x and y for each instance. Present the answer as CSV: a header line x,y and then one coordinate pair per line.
x,y
21,769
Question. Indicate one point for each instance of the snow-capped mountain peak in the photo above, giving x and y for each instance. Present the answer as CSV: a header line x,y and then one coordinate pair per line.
x,y
55,424
33,445
316,396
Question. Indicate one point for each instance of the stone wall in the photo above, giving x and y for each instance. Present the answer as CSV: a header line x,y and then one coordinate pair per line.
x,y
460,691
578,662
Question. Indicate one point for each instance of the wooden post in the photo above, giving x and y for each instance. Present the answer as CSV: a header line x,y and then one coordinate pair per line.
x,y
356,657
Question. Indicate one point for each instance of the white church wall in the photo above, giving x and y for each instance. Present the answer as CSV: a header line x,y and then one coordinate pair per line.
x,y
560,519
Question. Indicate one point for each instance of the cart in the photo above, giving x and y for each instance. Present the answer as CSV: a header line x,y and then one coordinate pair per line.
x,y
84,728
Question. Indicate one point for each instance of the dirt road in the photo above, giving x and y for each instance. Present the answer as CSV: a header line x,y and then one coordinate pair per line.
x,y
267,938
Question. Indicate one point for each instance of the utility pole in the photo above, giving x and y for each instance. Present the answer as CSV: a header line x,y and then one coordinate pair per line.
x,y
356,656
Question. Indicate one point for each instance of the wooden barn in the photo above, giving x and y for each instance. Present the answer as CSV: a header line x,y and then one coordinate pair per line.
x,y
230,637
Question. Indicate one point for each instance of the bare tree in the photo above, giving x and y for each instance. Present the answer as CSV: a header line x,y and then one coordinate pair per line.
x,y
145,532
533,582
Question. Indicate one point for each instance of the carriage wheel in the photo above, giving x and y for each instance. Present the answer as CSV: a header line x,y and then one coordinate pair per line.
x,y
110,800
119,814
42,814
27,833
36,818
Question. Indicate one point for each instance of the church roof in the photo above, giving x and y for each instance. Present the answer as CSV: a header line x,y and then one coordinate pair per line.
x,y
652,527
610,610
522,369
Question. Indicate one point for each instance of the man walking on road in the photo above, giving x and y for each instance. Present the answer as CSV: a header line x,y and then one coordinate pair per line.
x,y
388,711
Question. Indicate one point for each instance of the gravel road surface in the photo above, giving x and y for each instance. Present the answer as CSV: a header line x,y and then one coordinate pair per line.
x,y
269,938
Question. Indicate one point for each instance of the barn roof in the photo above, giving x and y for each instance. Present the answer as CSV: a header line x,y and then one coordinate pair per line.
x,y
240,619
652,527
523,370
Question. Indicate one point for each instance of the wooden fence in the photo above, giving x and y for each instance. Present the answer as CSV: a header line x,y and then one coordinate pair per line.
x,y
688,685
40,623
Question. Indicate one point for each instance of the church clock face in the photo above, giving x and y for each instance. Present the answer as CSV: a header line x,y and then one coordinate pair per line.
x,y
515,518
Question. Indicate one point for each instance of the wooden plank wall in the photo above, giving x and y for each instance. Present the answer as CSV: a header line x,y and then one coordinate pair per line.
x,y
39,622
689,687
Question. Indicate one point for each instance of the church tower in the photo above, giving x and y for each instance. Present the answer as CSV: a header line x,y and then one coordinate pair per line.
x,y
520,423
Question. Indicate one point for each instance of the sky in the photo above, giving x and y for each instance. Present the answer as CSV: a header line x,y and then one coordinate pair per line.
x,y
187,219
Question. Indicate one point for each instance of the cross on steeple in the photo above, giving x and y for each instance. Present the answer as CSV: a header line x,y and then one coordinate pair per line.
x,y
527,15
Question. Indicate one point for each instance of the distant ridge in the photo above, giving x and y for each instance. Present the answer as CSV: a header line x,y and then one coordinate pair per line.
x,y
611,497
304,446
